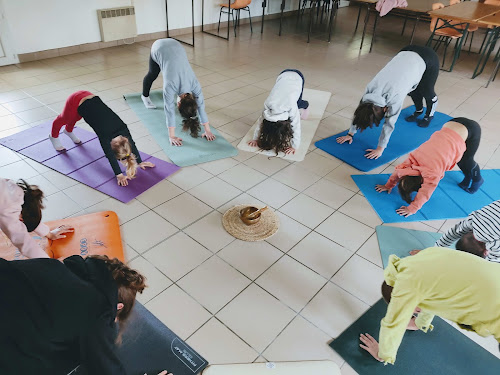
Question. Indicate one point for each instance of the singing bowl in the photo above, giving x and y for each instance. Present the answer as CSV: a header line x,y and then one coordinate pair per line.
x,y
247,211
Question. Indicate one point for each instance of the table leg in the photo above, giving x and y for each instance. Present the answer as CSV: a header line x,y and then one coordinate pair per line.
x,y
333,13
367,17
374,31
203,23
414,28
459,48
283,3
264,3
357,21
486,53
192,24
493,73
310,21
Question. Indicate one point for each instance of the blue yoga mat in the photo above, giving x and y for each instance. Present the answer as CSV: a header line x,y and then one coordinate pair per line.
x,y
443,351
193,150
400,241
407,136
447,202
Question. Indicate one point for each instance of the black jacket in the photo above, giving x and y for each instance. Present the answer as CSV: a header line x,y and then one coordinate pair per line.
x,y
54,316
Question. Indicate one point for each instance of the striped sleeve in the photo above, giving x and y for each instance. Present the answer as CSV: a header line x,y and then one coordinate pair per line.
x,y
456,232
486,226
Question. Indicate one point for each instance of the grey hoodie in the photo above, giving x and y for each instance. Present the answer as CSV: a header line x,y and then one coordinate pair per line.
x,y
389,88
281,104
178,77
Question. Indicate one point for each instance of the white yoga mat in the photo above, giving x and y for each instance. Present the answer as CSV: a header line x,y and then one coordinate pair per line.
x,y
276,368
318,100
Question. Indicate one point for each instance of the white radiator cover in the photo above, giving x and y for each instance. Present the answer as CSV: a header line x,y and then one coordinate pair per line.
x,y
117,23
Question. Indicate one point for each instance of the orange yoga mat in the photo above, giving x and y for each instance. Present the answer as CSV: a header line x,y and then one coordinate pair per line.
x,y
97,233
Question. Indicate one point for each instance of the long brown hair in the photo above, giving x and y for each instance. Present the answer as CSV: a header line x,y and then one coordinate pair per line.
x,y
188,108
31,211
367,114
409,184
275,136
123,152
129,282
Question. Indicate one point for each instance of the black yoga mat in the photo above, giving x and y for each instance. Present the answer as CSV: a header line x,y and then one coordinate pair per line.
x,y
443,351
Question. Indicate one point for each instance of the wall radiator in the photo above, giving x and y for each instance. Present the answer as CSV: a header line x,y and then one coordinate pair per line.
x,y
117,23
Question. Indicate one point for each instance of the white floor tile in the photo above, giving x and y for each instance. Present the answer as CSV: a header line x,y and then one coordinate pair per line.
x,y
327,192
306,210
289,234
296,177
273,193
183,210
215,192
242,177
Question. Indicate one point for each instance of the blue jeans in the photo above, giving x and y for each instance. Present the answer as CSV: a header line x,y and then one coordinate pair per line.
x,y
302,104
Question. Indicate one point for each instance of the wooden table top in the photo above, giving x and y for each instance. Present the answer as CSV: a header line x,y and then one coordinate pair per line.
x,y
493,20
419,6
467,11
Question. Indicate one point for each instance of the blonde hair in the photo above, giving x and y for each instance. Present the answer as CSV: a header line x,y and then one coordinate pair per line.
x,y
123,152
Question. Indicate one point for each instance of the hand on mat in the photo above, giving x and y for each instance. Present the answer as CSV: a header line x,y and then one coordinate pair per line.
x,y
415,252
122,180
289,151
146,164
344,139
208,135
374,154
412,326
382,188
403,211
175,141
164,373
252,143
60,232
370,345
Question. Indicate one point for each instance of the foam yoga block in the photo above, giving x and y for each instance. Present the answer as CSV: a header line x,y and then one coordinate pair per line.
x,y
193,150
407,136
400,241
276,368
95,234
86,162
150,347
318,100
444,350
448,201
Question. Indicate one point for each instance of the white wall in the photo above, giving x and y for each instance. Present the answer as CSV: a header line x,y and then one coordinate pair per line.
x,y
38,25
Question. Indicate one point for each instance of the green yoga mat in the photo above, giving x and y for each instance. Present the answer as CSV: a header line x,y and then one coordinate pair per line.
x,y
193,150
400,241
443,351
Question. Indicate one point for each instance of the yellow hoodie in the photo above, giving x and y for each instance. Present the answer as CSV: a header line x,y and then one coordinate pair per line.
x,y
452,284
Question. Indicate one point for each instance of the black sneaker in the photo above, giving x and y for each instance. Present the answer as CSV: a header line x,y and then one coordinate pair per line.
x,y
425,122
414,117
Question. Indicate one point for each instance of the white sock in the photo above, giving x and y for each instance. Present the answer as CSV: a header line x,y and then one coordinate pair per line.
x,y
57,143
304,113
73,137
147,102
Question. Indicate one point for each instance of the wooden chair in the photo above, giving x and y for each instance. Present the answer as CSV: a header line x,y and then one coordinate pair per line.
x,y
470,31
237,6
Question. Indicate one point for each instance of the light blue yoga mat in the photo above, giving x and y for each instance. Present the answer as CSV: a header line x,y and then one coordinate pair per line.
x,y
400,241
407,136
193,150
447,202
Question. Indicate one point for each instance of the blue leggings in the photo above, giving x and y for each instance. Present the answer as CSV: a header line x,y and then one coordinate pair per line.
x,y
302,104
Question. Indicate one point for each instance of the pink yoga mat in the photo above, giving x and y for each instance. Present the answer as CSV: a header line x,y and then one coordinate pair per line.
x,y
86,162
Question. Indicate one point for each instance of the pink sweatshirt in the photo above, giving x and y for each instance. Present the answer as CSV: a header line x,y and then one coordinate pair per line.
x,y
431,160
11,201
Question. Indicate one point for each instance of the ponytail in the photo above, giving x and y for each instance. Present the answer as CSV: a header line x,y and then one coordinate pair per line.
x,y
123,152
188,108
31,211
129,282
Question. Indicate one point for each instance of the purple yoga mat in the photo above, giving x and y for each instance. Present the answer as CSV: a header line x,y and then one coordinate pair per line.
x,y
86,162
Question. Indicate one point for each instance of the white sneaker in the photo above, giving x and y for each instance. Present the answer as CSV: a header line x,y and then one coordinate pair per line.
x,y
147,102
73,137
57,143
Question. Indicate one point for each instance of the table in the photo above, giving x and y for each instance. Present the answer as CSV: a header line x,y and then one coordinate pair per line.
x,y
465,13
493,20
192,24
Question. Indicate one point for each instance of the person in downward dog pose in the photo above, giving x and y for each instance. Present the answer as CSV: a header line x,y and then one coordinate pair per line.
x,y
113,133
454,285
278,128
413,71
458,141
21,213
169,57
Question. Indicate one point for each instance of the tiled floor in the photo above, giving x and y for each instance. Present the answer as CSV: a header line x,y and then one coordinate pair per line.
x,y
234,301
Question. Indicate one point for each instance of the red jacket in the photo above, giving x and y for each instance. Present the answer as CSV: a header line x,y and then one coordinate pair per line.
x,y
431,160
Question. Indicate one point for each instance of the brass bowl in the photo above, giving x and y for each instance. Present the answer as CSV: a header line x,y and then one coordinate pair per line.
x,y
247,211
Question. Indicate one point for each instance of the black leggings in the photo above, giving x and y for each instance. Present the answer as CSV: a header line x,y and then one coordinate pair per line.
x,y
302,104
154,71
467,164
425,88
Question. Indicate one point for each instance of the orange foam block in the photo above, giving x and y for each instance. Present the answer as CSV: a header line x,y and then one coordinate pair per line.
x,y
95,234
